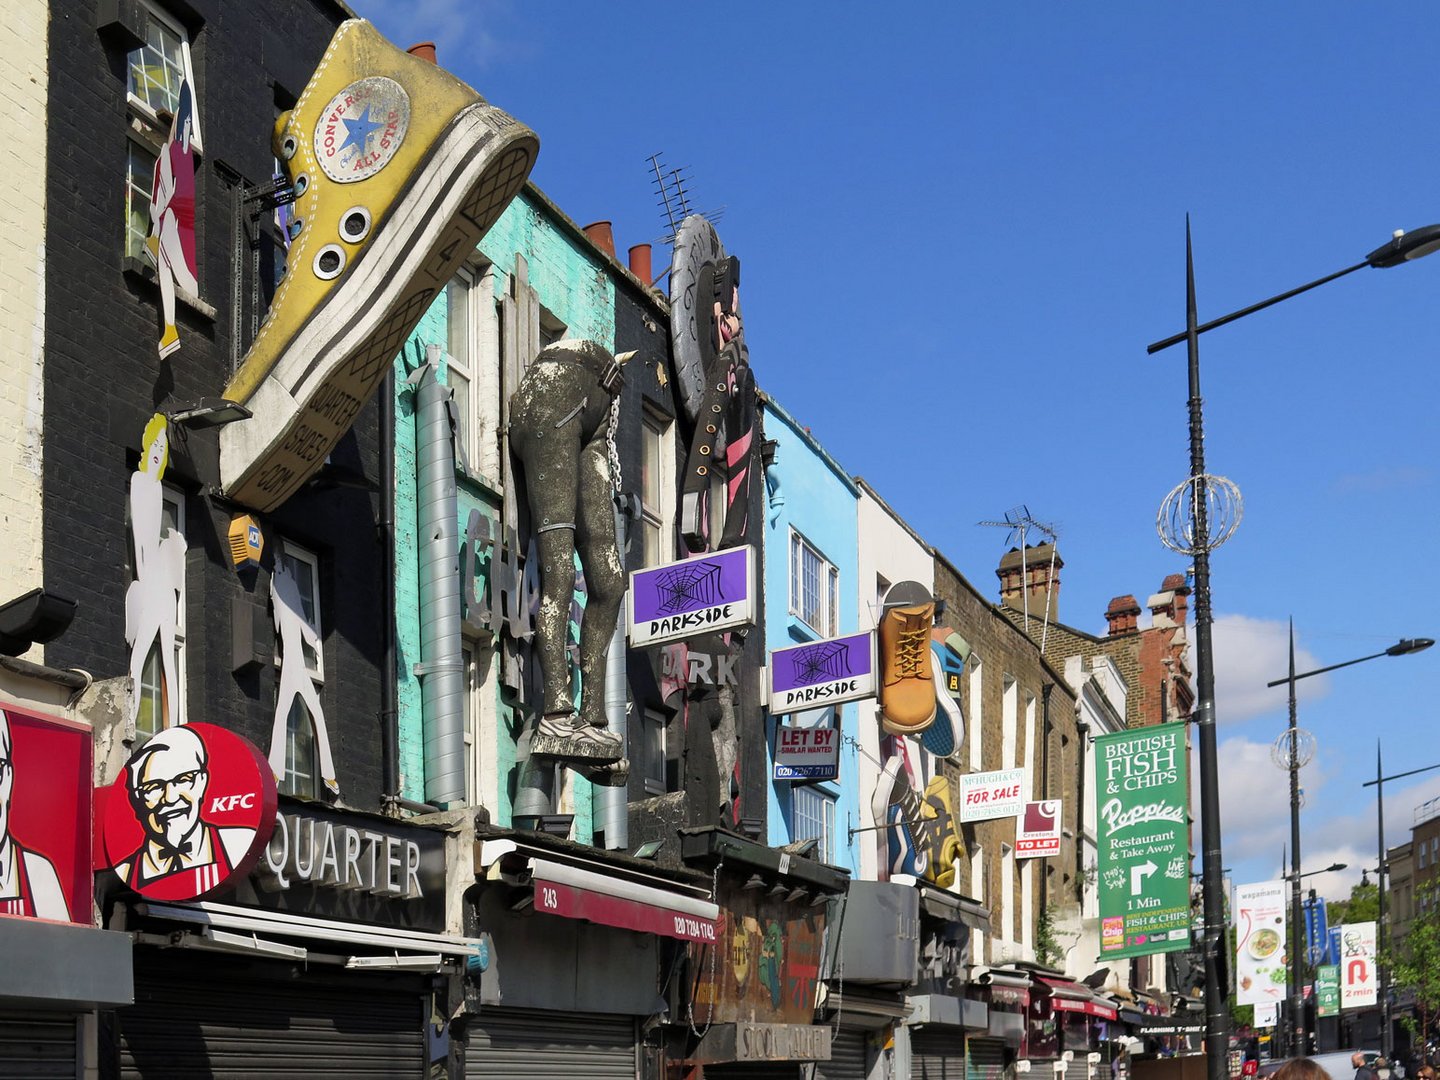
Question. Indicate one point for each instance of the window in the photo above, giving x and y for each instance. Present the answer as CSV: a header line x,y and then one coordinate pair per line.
x,y
461,347
974,727
813,817
551,329
150,718
301,775
657,488
471,698
649,750
154,72
814,587
1009,706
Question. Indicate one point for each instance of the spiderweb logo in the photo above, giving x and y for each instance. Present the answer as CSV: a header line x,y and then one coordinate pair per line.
x,y
688,587
822,662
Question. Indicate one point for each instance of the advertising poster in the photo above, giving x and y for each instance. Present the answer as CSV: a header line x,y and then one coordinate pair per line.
x,y
1141,792
1317,933
1357,965
1267,1014
1260,971
1327,990
822,673
1039,835
988,795
692,597
807,753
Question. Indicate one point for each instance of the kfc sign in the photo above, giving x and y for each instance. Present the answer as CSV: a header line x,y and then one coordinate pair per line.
x,y
190,813
45,808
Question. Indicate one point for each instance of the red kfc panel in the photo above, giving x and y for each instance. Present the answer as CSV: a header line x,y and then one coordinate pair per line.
x,y
45,817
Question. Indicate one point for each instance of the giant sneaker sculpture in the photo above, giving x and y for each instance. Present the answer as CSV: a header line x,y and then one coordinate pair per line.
x,y
399,169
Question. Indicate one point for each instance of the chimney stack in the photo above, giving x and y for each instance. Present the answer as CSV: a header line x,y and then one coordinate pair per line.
x,y
1122,615
1031,577
1169,606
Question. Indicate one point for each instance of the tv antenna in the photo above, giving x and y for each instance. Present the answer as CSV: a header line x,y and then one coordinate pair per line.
x,y
1020,522
673,197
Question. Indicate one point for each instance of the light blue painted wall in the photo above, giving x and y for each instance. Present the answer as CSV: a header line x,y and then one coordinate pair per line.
x,y
806,491
576,288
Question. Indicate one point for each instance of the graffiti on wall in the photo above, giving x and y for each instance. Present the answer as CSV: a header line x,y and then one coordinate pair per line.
x,y
770,966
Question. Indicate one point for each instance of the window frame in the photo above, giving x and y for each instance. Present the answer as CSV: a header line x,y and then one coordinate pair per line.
x,y
173,500
827,586
657,435
654,724
827,804
139,107
289,549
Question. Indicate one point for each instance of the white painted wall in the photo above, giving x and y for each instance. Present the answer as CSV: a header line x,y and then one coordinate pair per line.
x,y
24,83
888,551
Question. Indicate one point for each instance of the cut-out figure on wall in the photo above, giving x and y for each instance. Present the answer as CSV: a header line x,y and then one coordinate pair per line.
x,y
152,598
171,243
166,781
295,633
29,884
561,419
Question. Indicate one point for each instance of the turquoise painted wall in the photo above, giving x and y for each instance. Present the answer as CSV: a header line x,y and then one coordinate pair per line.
x,y
807,491
575,287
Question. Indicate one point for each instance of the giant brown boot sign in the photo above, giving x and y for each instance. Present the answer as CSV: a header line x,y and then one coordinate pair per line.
x,y
561,419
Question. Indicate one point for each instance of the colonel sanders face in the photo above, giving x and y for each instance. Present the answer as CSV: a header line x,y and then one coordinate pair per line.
x,y
167,785
7,776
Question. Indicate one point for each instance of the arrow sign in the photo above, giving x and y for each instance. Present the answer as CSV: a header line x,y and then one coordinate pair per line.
x,y
1138,874
1358,971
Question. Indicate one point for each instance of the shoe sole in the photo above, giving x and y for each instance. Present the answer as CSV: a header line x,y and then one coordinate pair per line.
x,y
328,371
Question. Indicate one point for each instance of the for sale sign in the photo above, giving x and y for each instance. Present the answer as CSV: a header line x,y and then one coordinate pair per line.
x,y
1141,792
1357,965
1039,835
807,753
988,795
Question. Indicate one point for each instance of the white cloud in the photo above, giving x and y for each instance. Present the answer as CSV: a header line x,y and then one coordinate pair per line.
x,y
1386,479
468,28
1249,653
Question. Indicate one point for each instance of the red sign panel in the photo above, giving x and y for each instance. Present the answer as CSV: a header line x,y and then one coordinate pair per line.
x,y
190,814
1039,833
1092,1008
574,902
45,815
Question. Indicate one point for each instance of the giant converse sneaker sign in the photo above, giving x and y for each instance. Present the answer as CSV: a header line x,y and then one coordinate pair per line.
x,y
702,595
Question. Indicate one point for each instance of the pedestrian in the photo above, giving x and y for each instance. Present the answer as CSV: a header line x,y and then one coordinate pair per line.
x,y
1362,1070
1300,1069
1425,1072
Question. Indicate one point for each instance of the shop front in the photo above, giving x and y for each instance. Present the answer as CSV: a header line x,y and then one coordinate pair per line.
x,y
945,1019
581,941
58,966
329,957
1006,995
745,1006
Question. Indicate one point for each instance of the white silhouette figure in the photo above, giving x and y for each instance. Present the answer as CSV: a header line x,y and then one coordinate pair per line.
x,y
152,598
295,632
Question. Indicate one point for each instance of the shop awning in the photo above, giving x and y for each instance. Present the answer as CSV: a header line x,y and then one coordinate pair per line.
x,y
1005,989
954,908
1067,996
235,928
573,892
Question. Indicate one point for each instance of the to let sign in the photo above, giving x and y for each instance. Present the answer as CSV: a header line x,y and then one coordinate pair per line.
x,y
686,599
987,795
1141,791
807,753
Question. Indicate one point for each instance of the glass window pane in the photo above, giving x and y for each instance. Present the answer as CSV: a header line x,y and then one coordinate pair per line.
x,y
150,718
457,319
299,778
652,542
139,182
460,384
650,466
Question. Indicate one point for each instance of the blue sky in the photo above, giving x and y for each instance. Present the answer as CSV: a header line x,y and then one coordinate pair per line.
x,y
960,225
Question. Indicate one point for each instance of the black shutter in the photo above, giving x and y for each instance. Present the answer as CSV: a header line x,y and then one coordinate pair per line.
x,y
33,1047
503,1044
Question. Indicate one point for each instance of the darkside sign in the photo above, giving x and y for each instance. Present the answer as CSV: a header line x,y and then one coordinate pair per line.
x,y
768,966
350,866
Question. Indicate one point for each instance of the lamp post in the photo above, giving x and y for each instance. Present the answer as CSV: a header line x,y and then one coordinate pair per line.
x,y
1381,869
1293,737
1195,539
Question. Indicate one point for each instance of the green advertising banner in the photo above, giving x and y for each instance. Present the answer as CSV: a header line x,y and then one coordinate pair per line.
x,y
1141,793
1327,990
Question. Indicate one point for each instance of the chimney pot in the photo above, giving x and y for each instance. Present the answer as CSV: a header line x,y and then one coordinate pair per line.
x,y
602,236
425,50
640,263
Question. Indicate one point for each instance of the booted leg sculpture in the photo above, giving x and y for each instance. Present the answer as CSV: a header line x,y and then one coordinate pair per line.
x,y
399,169
560,422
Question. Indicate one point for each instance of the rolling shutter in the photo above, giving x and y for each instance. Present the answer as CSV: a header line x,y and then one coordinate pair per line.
x,y
537,1045
38,1046
204,1015
848,1055
937,1053
984,1059
757,1070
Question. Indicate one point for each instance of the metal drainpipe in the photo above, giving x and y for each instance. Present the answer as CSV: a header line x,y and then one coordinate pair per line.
x,y
1045,691
389,712
612,804
441,667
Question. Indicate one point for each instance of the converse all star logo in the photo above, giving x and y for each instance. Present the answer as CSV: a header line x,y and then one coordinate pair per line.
x,y
361,128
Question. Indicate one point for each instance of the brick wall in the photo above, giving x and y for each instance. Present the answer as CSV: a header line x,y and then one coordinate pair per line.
x,y
103,380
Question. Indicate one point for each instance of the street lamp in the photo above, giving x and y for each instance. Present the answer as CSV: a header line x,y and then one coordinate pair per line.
x,y
1386,1035
1403,647
1402,247
1311,873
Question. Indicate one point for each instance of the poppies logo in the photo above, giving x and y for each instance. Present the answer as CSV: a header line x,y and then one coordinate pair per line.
x,y
191,812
